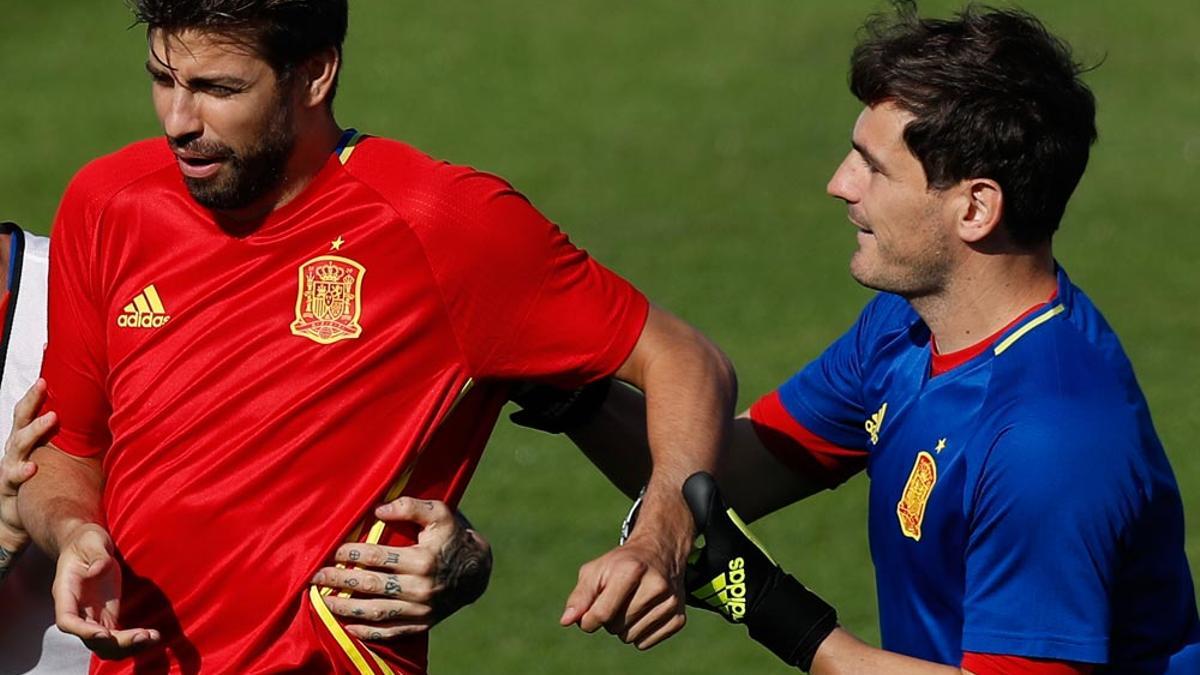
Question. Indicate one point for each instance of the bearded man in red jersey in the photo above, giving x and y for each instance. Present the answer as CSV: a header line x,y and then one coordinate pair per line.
x,y
264,325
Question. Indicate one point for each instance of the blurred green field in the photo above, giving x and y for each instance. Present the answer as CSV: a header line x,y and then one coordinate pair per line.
x,y
687,145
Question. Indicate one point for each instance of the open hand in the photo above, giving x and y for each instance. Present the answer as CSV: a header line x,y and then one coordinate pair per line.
x,y
87,591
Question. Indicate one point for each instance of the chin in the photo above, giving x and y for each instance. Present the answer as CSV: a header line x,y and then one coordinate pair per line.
x,y
860,269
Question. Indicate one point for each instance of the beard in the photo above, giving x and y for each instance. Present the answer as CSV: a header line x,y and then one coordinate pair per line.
x,y
905,268
249,174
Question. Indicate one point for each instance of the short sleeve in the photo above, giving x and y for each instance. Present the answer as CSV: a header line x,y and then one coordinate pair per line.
x,y
525,302
1043,546
814,421
74,365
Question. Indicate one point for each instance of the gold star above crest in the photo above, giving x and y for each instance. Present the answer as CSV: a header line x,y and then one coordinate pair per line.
x,y
336,244
940,446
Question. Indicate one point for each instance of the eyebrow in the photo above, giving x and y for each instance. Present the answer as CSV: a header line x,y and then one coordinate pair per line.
x,y
156,71
198,82
871,159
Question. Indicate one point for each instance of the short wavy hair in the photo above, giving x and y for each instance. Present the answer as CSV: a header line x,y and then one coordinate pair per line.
x,y
995,95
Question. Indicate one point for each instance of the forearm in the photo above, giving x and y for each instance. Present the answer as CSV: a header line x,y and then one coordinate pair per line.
x,y
64,494
615,439
690,388
753,480
843,654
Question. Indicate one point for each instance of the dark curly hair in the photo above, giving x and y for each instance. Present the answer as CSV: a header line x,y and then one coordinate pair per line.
x,y
284,32
995,95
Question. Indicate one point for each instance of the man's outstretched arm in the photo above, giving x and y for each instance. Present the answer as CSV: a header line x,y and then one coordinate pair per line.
x,y
609,426
636,591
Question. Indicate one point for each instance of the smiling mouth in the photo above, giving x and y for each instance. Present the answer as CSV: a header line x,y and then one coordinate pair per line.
x,y
861,228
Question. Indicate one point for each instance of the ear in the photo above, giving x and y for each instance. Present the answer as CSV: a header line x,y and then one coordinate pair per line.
x,y
982,208
319,75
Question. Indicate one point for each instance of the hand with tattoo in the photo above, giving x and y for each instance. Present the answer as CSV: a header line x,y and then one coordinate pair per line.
x,y
27,432
409,589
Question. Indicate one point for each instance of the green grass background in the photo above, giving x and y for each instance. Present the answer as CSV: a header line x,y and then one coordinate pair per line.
x,y
687,145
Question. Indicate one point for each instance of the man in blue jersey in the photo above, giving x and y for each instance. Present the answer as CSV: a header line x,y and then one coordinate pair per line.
x,y
1023,516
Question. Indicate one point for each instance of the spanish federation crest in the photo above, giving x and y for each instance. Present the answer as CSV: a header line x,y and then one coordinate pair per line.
x,y
911,509
329,300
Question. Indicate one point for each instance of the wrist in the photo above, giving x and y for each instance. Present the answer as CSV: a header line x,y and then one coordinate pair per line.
x,y
667,523
791,621
71,529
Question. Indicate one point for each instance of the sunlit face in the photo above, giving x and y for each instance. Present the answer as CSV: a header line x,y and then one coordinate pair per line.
x,y
905,231
228,117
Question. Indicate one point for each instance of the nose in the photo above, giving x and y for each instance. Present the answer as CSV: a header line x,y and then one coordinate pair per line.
x,y
842,184
180,116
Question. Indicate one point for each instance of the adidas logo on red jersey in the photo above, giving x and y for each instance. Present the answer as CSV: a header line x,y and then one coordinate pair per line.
x,y
146,311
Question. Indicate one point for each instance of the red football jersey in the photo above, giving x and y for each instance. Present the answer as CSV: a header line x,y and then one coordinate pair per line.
x,y
255,396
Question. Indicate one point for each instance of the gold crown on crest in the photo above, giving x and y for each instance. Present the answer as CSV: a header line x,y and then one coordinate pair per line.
x,y
329,272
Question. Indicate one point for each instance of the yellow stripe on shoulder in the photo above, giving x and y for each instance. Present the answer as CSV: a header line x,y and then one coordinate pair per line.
x,y
1024,330
351,145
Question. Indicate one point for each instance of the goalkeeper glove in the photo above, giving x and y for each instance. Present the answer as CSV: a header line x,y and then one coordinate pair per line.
x,y
555,410
731,574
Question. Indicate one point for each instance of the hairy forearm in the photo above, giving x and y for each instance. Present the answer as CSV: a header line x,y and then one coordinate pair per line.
x,y
753,481
690,390
64,494
843,654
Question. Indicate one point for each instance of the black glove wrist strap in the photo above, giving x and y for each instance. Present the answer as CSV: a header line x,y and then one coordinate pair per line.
x,y
556,411
791,621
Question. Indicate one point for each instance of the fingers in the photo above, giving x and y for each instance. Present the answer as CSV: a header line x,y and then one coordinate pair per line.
x,y
26,438
429,514
120,644
384,632
653,598
657,623
27,432
28,406
630,596
414,560
656,632
582,596
71,621
362,610
406,587
606,587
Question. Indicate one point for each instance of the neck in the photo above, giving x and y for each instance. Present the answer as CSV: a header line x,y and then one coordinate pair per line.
x,y
313,147
985,294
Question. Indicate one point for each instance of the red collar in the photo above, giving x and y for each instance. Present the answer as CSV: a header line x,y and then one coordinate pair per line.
x,y
944,363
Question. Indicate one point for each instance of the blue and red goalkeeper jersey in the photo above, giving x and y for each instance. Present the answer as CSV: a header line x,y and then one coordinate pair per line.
x,y
1020,501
